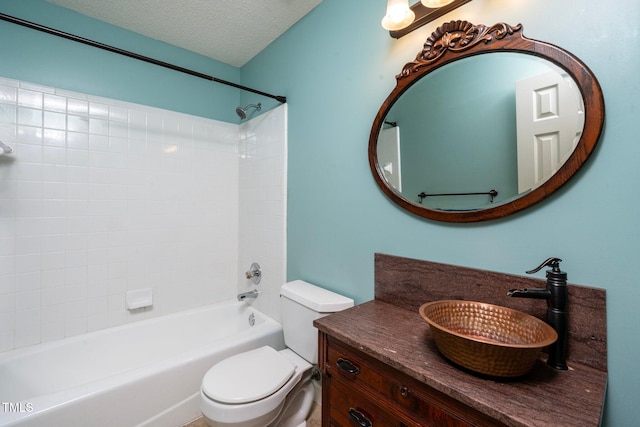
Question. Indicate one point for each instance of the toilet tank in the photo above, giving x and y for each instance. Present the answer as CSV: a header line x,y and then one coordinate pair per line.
x,y
301,304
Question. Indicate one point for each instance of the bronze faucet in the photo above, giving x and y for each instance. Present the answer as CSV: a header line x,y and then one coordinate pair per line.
x,y
557,296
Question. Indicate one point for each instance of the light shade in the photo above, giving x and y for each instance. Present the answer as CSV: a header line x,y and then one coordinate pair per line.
x,y
433,4
398,16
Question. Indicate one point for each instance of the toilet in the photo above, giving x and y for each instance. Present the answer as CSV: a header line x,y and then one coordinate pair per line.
x,y
265,387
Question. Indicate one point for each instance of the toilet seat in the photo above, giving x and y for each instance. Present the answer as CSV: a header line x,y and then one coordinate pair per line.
x,y
248,377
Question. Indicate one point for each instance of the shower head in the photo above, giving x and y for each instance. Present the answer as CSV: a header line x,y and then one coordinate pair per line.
x,y
242,112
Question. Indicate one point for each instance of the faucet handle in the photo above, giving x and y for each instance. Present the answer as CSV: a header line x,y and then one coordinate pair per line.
x,y
551,262
254,274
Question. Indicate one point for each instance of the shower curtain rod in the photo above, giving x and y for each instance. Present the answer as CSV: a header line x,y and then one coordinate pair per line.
x,y
68,36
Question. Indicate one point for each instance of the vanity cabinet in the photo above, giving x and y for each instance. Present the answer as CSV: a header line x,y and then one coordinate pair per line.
x,y
359,390
381,366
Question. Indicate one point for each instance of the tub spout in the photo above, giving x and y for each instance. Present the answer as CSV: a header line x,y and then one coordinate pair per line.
x,y
251,294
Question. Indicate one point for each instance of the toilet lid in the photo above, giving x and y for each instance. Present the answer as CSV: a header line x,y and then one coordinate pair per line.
x,y
248,376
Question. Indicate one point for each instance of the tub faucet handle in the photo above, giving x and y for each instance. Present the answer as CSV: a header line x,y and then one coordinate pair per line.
x,y
254,274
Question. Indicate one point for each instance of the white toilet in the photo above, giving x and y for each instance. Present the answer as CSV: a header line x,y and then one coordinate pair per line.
x,y
265,387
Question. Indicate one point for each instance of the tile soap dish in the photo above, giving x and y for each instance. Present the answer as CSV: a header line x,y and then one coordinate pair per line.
x,y
486,338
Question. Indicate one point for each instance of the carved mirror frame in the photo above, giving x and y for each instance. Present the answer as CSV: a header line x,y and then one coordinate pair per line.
x,y
456,40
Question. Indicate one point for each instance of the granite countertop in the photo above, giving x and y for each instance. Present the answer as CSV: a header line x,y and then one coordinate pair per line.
x,y
401,339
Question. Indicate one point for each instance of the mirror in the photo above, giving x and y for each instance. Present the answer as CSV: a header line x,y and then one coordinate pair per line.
x,y
484,123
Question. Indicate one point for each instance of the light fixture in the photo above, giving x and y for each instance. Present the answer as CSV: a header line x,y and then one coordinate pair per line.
x,y
424,11
398,16
432,4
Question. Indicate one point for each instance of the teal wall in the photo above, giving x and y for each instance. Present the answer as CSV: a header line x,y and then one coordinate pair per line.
x,y
338,65
36,57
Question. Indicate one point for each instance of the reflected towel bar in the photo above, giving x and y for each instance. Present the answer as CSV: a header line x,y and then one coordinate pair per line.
x,y
492,194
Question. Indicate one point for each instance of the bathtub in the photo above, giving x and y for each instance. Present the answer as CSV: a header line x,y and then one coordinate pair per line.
x,y
146,373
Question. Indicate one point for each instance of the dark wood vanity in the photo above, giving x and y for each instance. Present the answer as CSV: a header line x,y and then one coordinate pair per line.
x,y
381,366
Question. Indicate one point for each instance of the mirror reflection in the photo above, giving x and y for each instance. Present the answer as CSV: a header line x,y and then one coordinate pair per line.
x,y
480,132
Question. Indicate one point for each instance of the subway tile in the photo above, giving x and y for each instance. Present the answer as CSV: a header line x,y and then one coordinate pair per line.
x,y
54,155
29,189
29,208
26,171
28,300
98,159
76,242
55,103
54,120
97,321
53,225
75,326
6,322
8,93
27,319
77,123
77,157
30,98
54,172
77,107
29,134
28,245
53,260
99,143
53,298
74,293
97,109
78,140
118,129
36,87
52,328
29,116
54,190
118,113
7,227
6,341
98,288
77,191
52,208
8,117
54,279
78,174
97,126
54,138
7,282
54,242
24,337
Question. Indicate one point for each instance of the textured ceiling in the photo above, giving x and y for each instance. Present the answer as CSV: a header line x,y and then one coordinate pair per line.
x,y
230,31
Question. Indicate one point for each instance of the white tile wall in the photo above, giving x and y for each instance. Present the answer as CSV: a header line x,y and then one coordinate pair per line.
x,y
101,196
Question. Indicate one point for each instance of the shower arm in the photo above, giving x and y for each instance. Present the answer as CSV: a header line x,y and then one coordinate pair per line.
x,y
68,36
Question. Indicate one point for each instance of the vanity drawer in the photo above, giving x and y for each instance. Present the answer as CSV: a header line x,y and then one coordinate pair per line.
x,y
410,396
350,408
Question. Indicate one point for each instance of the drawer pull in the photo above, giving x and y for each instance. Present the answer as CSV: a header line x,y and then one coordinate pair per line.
x,y
347,366
359,418
404,391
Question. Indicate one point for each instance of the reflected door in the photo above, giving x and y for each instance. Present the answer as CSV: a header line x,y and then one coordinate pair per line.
x,y
548,127
389,156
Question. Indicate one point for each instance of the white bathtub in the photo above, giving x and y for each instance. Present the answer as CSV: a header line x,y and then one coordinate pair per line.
x,y
146,373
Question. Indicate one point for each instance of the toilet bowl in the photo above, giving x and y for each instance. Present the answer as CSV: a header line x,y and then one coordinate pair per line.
x,y
269,388
258,388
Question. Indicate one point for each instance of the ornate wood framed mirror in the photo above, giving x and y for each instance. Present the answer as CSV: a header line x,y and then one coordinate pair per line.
x,y
484,123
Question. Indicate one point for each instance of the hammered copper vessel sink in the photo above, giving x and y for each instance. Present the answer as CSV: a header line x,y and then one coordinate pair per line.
x,y
486,338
